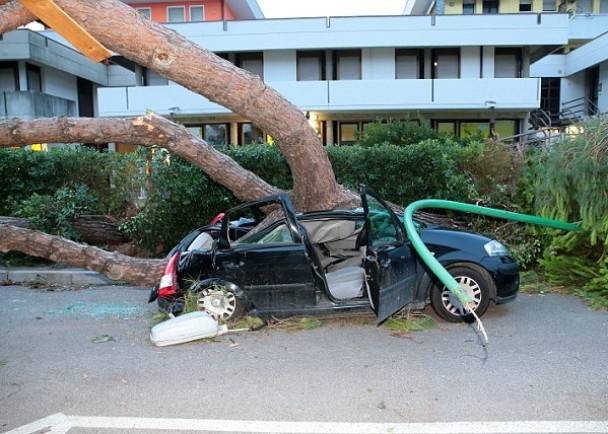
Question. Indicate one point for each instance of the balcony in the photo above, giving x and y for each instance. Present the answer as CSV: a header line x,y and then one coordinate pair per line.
x,y
386,31
28,104
356,95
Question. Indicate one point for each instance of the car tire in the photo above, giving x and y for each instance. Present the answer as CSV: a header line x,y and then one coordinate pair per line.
x,y
222,300
476,280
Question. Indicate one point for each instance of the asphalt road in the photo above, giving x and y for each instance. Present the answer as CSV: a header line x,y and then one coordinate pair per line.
x,y
547,360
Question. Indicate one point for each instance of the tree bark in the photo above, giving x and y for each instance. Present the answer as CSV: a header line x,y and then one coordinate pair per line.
x,y
120,28
13,15
147,130
116,266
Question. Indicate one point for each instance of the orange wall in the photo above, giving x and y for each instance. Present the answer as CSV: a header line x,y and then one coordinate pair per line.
x,y
213,9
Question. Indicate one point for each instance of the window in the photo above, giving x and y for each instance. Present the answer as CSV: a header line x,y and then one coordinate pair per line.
x,y
525,5
145,13
311,65
217,134
409,63
490,6
196,130
9,76
507,63
347,65
549,5
584,6
447,128
550,95
506,128
382,229
34,78
468,7
250,134
151,78
197,13
176,14
603,6
349,132
252,62
474,129
446,63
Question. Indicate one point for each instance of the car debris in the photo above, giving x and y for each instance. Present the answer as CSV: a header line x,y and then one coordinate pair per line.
x,y
188,327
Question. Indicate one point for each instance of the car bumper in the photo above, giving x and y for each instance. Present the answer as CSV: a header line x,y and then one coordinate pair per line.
x,y
505,272
170,305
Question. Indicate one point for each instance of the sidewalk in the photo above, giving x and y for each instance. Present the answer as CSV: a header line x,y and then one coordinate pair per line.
x,y
54,276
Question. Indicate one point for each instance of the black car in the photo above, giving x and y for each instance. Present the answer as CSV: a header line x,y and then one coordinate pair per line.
x,y
265,259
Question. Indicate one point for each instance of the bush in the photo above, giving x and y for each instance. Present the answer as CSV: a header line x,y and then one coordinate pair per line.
x,y
55,214
395,132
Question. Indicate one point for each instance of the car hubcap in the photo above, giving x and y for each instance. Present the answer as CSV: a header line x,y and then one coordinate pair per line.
x,y
217,302
451,302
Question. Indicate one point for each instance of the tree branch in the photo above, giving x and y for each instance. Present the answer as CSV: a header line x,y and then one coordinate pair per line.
x,y
147,130
116,266
13,15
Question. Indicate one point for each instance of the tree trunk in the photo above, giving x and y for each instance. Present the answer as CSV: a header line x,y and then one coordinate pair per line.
x,y
13,15
120,28
148,130
116,266
98,230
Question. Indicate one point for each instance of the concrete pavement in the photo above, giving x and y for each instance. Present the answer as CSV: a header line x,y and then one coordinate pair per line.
x,y
547,360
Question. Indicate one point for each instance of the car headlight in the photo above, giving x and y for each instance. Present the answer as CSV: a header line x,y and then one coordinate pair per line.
x,y
494,248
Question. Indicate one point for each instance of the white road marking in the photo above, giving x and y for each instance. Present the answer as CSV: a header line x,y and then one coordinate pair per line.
x,y
60,423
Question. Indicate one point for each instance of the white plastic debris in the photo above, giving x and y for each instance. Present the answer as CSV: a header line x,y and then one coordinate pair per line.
x,y
186,328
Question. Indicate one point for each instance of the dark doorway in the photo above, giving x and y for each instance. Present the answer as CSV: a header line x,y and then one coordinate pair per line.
x,y
85,98
592,84
549,96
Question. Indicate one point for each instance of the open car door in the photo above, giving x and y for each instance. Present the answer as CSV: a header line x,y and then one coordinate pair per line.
x,y
390,263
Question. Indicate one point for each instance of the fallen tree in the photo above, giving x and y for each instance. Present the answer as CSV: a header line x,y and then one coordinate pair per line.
x,y
121,29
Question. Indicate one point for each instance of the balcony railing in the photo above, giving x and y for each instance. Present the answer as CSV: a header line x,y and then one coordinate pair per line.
x,y
30,104
466,93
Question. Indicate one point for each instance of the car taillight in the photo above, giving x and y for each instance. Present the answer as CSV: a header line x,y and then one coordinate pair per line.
x,y
168,283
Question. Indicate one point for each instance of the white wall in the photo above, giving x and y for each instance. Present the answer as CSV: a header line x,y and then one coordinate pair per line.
x,y
553,65
378,63
469,62
488,62
572,87
602,100
280,65
119,76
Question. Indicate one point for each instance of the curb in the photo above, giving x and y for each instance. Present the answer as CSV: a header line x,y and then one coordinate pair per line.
x,y
66,277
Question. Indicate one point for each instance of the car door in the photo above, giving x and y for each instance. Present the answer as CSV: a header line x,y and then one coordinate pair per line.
x,y
390,262
270,264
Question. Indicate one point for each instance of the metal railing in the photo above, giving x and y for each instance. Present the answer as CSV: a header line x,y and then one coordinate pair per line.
x,y
578,109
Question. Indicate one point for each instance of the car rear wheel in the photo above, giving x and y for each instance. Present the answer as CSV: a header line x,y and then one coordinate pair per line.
x,y
221,301
476,281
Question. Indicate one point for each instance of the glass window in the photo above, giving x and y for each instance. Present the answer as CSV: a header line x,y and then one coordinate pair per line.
x,y
506,128
382,229
252,62
145,13
9,77
525,5
250,134
507,63
549,5
446,127
468,7
197,13
603,6
490,6
217,134
280,235
348,132
446,63
176,14
584,6
408,63
474,129
311,65
152,78
196,130
249,225
347,65
34,78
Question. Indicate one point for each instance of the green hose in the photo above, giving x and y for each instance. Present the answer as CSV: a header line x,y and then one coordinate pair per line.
x,y
442,274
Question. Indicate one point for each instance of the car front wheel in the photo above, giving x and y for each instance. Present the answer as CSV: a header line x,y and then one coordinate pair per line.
x,y
476,281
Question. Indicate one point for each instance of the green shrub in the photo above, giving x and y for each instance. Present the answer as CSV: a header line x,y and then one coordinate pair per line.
x,y
55,213
395,132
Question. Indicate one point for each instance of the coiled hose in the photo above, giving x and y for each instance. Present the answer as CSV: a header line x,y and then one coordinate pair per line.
x,y
439,270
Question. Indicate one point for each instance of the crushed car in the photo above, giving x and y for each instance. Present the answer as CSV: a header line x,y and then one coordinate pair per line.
x,y
245,262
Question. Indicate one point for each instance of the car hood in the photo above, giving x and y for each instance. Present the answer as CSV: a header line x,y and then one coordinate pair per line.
x,y
441,240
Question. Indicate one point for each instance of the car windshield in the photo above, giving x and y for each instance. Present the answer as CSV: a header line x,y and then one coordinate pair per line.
x,y
280,234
